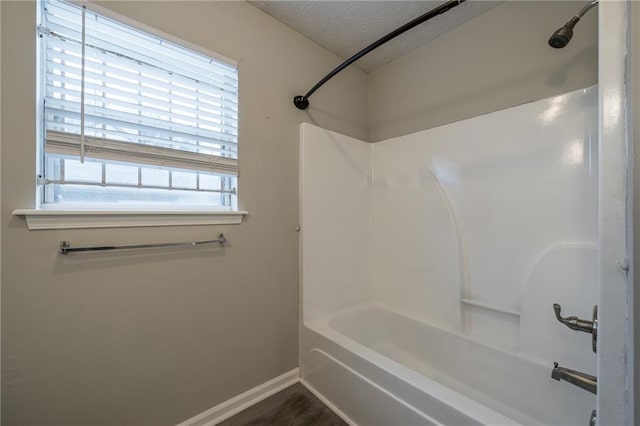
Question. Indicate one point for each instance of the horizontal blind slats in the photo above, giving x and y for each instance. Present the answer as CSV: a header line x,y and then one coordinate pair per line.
x,y
111,82
70,38
202,121
93,124
58,52
210,122
118,66
111,30
229,151
118,38
61,109
106,149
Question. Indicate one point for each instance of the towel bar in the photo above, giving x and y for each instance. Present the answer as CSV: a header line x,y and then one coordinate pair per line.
x,y
65,246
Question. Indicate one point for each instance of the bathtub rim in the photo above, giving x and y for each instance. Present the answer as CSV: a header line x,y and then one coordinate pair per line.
x,y
443,394
539,362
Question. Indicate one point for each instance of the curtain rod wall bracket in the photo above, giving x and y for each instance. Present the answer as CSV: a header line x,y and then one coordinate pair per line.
x,y
302,102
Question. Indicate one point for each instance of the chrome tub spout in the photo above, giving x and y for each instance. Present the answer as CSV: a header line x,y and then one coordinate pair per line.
x,y
582,380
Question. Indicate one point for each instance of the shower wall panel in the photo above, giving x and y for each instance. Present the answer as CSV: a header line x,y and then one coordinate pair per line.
x,y
335,186
478,227
481,225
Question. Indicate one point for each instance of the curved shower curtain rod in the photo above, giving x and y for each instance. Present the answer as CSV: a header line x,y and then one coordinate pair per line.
x,y
302,101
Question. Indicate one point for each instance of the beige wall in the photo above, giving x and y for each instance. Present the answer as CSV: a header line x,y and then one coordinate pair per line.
x,y
635,185
495,61
153,338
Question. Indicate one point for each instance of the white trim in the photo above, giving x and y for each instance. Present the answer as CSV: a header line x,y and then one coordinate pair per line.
x,y
328,403
615,310
243,401
75,219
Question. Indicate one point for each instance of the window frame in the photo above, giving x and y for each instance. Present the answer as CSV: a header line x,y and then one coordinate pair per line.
x,y
52,216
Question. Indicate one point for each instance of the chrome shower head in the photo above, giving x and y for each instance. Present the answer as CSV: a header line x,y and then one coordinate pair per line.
x,y
562,36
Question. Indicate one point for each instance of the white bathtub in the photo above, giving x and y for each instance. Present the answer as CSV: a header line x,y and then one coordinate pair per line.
x,y
380,367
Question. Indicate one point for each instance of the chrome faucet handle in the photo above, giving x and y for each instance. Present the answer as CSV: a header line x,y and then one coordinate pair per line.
x,y
578,324
573,322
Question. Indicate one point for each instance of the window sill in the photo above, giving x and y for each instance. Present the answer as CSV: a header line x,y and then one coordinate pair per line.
x,y
75,219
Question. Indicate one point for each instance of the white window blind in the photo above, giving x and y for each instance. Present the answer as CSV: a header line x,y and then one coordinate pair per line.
x,y
139,107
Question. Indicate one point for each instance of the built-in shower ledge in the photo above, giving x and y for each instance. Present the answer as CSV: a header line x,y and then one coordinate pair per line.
x,y
86,218
490,307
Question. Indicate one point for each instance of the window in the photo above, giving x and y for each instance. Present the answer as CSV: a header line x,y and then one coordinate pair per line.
x,y
131,119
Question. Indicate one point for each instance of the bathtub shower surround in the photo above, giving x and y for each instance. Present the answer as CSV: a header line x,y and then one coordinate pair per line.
x,y
431,262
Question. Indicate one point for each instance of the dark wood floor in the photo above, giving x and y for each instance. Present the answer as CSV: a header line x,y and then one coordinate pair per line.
x,y
294,406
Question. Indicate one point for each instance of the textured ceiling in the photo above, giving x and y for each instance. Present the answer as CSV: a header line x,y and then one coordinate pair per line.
x,y
346,27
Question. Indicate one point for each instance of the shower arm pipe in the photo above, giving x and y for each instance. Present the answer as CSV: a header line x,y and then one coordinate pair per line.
x,y
585,9
302,101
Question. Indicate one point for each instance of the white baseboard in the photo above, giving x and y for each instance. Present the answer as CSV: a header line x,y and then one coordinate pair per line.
x,y
233,406
328,403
